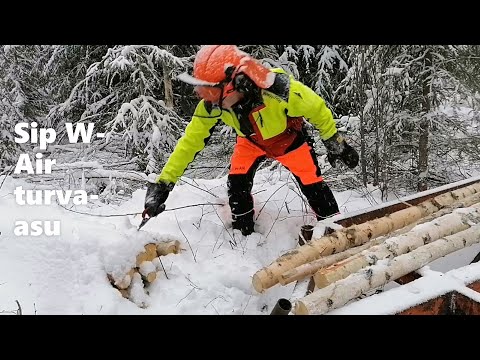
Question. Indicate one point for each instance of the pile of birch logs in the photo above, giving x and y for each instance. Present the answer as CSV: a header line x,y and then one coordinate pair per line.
x,y
353,260
147,267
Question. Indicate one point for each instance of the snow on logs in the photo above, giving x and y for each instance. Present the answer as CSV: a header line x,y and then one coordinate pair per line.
x,y
147,268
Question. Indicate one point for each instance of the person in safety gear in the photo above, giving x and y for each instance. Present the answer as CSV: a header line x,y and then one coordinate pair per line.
x,y
268,109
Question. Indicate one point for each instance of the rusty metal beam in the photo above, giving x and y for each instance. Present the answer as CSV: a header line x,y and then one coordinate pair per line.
x,y
451,303
436,306
475,286
400,204
405,279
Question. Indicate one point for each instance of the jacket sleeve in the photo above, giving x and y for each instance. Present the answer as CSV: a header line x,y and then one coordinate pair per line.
x,y
197,133
303,101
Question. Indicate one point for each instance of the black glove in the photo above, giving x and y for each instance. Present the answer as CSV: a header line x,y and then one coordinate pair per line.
x,y
337,148
157,194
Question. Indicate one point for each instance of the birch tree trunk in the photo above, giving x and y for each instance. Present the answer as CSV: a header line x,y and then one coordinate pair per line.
x,y
423,234
338,294
355,235
167,83
424,123
361,100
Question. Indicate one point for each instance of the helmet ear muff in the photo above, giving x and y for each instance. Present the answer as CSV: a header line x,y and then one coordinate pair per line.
x,y
243,84
229,71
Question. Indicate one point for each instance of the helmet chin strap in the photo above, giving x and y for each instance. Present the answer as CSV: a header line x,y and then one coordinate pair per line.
x,y
220,102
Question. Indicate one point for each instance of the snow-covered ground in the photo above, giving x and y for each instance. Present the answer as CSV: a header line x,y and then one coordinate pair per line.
x,y
67,274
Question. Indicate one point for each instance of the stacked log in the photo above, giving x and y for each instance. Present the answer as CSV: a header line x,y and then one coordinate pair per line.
x,y
446,225
342,291
314,267
356,236
147,267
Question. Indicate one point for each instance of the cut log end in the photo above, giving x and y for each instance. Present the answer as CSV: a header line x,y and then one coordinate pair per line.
x,y
148,254
321,280
300,308
150,277
124,293
151,250
170,247
257,283
141,258
124,283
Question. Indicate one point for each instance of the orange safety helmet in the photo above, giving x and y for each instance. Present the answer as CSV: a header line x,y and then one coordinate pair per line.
x,y
216,66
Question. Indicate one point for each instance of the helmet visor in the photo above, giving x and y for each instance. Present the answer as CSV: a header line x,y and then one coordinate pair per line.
x,y
188,79
208,91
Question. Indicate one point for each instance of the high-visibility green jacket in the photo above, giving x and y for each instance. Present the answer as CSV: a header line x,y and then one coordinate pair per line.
x,y
299,101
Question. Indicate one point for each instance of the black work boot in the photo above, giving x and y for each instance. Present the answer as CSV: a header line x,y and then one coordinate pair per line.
x,y
321,199
243,223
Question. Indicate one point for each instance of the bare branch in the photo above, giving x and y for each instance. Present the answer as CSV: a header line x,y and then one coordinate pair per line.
x,y
188,242
246,304
199,188
131,214
260,211
160,260
8,173
82,213
233,242
215,309
19,311
215,298
185,296
278,215
194,285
